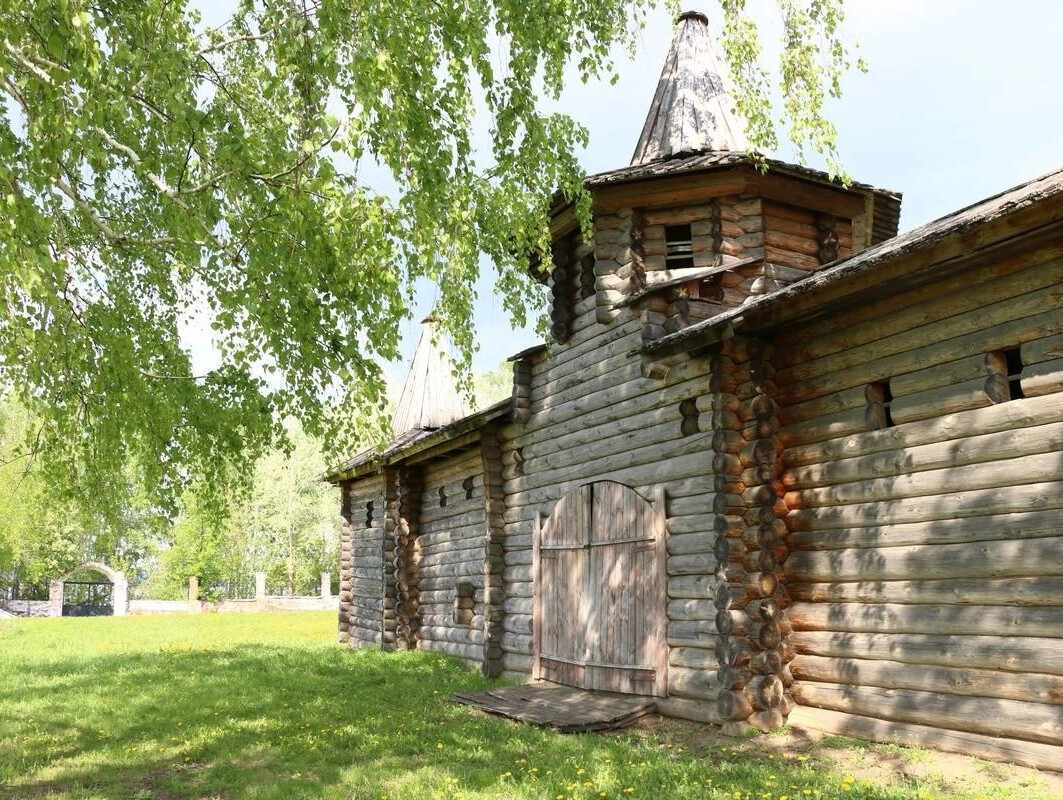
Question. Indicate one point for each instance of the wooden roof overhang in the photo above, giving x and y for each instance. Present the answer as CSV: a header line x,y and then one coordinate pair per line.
x,y
418,446
1020,219
698,177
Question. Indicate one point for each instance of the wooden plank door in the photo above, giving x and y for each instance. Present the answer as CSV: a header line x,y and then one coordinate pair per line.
x,y
600,594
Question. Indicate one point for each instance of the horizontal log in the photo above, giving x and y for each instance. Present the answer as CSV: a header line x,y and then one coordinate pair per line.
x,y
885,618
990,559
1026,469
1025,686
1030,754
472,653
949,428
954,454
648,467
1037,351
991,716
691,587
1042,379
858,420
697,684
692,633
456,634
691,564
1024,525
692,658
691,610
951,399
1046,591
1005,653
689,709
457,513
687,543
612,458
979,502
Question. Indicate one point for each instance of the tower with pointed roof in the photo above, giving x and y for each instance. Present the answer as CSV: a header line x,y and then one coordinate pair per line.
x,y
430,397
692,224
692,109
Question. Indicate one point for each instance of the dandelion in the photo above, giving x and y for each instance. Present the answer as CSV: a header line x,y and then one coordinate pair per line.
x,y
629,790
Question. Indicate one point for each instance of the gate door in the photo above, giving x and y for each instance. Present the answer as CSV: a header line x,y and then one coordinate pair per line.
x,y
600,592
88,598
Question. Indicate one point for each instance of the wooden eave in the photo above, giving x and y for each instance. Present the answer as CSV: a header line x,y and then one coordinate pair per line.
x,y
428,445
696,275
696,178
1022,218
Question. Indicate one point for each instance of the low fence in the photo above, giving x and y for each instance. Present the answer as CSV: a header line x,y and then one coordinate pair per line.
x,y
261,601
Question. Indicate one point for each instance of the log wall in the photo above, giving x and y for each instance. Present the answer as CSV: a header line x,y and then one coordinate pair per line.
x,y
450,544
923,489
365,602
592,415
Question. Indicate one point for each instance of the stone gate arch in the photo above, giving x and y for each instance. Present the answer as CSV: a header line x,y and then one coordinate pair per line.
x,y
119,588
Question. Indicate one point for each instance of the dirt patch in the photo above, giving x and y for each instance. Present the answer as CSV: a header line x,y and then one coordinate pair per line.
x,y
885,765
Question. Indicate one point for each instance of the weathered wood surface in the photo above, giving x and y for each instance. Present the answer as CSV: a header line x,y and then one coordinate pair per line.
x,y
1026,686
451,544
1030,754
600,590
564,708
926,570
1036,722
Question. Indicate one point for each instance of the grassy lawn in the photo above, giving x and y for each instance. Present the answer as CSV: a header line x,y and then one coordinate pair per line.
x,y
267,706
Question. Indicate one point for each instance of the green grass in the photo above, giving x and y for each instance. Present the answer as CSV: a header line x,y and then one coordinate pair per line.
x,y
267,706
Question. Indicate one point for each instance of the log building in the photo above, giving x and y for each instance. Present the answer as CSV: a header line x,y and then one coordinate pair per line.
x,y
778,462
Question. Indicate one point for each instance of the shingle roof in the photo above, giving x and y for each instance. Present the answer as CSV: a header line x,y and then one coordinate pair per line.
x,y
430,398
691,110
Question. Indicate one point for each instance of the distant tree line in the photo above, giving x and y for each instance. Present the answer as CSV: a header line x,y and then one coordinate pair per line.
x,y
285,525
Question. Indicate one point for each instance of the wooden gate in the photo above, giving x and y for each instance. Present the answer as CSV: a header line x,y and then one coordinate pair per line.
x,y
600,591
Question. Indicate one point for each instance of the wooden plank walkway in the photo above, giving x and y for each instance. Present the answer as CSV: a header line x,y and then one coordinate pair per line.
x,y
564,708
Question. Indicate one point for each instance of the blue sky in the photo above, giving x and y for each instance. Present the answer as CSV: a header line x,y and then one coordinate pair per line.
x,y
961,101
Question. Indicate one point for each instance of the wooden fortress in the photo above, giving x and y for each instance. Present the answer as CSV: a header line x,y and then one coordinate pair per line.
x,y
778,462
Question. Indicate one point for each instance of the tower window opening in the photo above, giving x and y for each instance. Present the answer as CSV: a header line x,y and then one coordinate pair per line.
x,y
679,246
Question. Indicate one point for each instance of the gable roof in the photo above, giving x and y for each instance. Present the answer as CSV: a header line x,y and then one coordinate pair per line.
x,y
691,110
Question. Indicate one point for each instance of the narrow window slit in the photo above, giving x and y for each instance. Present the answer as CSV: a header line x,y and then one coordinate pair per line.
x,y
442,497
1015,365
464,603
879,395
679,246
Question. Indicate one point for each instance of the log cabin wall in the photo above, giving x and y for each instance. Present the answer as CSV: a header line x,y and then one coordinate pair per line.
x,y
922,463
364,550
750,543
592,415
450,553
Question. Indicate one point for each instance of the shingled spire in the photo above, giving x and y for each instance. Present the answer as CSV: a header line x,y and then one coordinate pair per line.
x,y
691,111
430,397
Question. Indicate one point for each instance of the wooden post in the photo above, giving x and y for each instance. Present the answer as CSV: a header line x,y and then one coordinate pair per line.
x,y
326,585
537,604
193,589
260,587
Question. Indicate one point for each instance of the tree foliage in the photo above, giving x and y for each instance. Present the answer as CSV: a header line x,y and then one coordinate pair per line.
x,y
285,526
41,539
154,172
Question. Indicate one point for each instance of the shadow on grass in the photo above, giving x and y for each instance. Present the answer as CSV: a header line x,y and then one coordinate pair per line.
x,y
270,721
